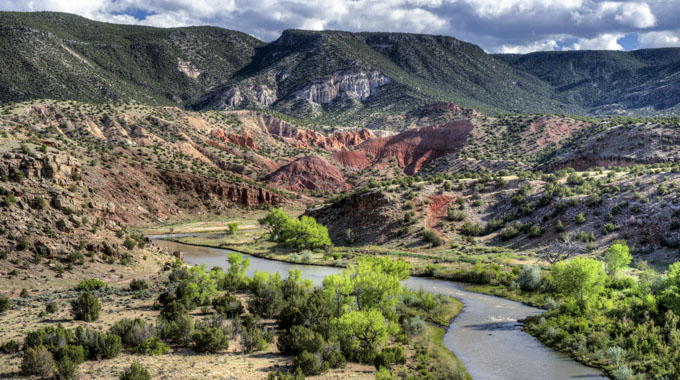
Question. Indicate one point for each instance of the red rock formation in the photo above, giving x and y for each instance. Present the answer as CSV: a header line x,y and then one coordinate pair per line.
x,y
309,173
305,138
416,147
261,162
439,206
238,193
553,129
352,160
240,140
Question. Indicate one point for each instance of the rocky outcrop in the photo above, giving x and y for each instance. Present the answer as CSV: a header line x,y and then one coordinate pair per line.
x,y
619,145
48,166
241,140
411,149
238,97
305,138
359,85
232,97
237,193
264,95
372,216
352,160
309,173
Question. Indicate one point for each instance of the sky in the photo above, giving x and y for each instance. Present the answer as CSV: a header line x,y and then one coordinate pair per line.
x,y
498,26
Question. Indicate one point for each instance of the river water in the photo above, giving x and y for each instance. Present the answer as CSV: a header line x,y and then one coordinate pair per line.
x,y
485,336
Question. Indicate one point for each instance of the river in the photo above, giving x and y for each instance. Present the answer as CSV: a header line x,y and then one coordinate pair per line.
x,y
485,336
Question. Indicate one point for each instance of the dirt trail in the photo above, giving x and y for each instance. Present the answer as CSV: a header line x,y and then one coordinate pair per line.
x,y
438,207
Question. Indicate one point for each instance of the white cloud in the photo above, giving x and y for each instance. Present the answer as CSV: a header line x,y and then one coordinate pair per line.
x,y
602,42
544,45
659,39
637,15
496,25
498,8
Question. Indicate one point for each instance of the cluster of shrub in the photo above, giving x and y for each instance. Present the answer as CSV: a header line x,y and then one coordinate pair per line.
x,y
628,326
352,317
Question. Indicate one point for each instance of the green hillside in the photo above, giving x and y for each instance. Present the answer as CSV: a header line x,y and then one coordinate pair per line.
x,y
62,56
602,82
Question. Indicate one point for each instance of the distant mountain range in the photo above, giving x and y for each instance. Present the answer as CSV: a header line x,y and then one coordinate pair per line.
x,y
322,77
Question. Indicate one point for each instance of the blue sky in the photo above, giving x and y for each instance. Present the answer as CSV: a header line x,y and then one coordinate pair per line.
x,y
511,26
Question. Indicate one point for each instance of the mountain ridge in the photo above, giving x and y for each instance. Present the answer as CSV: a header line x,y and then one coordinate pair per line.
x,y
324,77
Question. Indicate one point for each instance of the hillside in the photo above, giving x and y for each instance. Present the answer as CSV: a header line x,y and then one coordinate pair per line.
x,y
339,77
641,82
319,77
50,55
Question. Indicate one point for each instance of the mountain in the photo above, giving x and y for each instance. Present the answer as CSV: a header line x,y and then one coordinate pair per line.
x,y
320,77
331,77
335,76
608,82
63,56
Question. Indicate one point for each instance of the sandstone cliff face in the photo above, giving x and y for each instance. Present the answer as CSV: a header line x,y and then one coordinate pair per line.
x,y
236,97
305,138
48,166
358,85
411,149
264,95
241,140
241,194
309,173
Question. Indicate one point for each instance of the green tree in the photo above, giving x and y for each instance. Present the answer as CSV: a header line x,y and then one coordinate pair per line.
x,y
670,296
209,339
306,233
136,371
86,307
235,278
372,283
38,361
303,233
616,258
362,333
233,229
276,221
196,286
579,277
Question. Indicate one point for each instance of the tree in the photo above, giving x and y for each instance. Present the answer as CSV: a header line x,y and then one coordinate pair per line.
x,y
276,220
530,277
616,258
670,297
303,233
579,277
38,361
233,229
86,307
362,333
373,283
209,339
561,250
298,339
136,371
235,278
195,287
431,236
4,304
